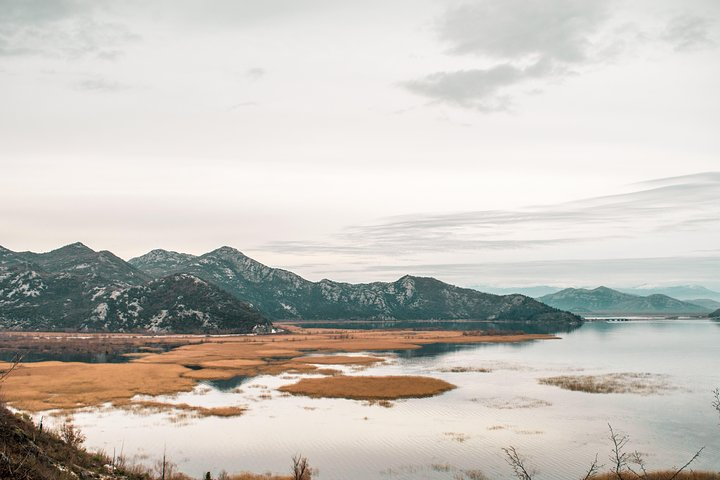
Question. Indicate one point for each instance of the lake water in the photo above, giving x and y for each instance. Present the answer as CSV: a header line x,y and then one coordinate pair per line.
x,y
114,355
559,432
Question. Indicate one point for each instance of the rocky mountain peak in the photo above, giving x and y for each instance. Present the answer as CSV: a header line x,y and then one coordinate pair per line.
x,y
74,248
226,251
183,278
158,253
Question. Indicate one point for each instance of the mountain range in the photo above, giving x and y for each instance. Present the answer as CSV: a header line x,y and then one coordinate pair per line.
x,y
534,291
603,300
695,294
280,294
77,288
690,293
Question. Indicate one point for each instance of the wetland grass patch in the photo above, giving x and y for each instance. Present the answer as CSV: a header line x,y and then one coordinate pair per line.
x,y
68,386
628,382
368,387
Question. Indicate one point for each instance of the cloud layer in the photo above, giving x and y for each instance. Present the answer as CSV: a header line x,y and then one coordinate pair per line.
x,y
688,203
528,43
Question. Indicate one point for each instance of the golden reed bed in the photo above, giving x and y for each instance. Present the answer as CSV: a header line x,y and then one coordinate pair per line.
x,y
369,388
62,385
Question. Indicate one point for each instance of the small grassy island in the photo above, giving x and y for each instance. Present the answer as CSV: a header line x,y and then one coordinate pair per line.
x,y
369,388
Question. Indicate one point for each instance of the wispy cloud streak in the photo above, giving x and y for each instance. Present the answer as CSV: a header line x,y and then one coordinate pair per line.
x,y
690,202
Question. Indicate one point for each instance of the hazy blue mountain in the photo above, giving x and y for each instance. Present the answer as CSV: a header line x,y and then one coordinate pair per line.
x,y
715,314
280,294
681,292
706,303
603,300
533,291
76,288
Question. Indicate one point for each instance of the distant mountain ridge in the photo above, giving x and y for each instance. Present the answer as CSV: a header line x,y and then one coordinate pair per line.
x,y
281,295
603,300
681,292
705,303
533,291
75,288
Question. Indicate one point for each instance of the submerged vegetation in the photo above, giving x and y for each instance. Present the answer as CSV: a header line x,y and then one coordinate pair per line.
x,y
638,383
152,406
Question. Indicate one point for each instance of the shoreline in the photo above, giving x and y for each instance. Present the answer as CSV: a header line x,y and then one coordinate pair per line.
x,y
66,386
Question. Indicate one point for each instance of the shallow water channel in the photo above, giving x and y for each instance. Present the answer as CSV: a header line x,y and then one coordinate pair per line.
x,y
558,431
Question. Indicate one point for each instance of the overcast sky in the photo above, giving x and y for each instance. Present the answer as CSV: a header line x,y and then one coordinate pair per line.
x,y
493,142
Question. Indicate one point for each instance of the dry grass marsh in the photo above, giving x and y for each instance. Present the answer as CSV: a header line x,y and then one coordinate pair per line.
x,y
369,388
153,407
663,475
64,385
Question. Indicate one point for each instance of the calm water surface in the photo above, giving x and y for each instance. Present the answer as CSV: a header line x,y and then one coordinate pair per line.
x,y
558,431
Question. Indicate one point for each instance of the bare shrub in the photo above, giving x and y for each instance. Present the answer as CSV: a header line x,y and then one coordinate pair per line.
x,y
301,468
165,469
593,470
618,456
513,458
5,373
71,435
13,365
624,465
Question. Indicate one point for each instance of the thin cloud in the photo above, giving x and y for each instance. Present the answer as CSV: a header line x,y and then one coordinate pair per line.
x,y
481,89
517,34
99,84
410,242
68,29
691,202
240,105
688,32
557,30
255,73
676,270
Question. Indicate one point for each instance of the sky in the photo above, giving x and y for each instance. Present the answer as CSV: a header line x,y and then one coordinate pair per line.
x,y
486,143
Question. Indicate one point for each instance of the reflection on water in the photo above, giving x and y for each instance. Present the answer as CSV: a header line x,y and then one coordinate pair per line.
x,y
433,350
115,356
229,384
498,402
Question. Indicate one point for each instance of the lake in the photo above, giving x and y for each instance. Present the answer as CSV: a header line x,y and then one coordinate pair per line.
x,y
559,432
